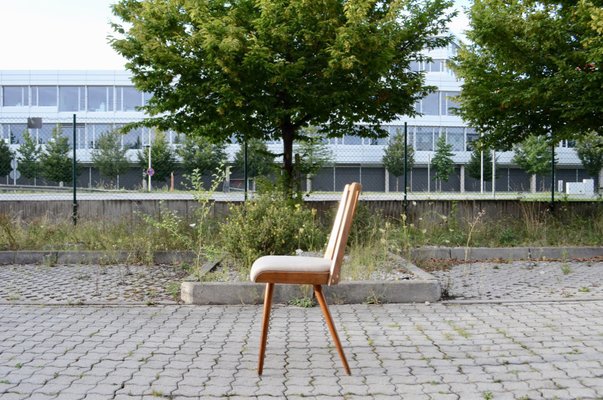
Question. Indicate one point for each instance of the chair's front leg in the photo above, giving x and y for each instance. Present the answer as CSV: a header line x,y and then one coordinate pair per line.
x,y
265,323
325,310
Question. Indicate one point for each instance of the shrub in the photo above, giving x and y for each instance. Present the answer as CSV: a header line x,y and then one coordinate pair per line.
x,y
270,224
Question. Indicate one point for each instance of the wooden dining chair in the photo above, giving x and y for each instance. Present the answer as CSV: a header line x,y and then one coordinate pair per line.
x,y
313,271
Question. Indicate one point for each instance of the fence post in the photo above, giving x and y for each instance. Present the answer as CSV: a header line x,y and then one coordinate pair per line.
x,y
74,172
552,206
406,168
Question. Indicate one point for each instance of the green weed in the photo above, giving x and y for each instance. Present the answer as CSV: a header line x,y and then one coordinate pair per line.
x,y
566,269
173,288
305,302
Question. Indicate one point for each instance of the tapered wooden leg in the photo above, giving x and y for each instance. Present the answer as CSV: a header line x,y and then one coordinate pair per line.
x,y
265,323
325,310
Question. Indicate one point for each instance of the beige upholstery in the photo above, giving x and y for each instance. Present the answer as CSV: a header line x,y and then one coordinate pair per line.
x,y
289,264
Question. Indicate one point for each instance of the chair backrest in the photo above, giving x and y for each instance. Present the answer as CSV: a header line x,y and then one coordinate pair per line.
x,y
341,229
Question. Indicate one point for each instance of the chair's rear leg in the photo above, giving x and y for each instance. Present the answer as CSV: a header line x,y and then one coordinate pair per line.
x,y
325,310
265,323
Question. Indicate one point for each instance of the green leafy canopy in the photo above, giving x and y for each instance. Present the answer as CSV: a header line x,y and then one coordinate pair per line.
x,y
590,151
532,68
265,69
533,155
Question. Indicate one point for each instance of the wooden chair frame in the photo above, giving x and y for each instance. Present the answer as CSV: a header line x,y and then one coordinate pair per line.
x,y
334,253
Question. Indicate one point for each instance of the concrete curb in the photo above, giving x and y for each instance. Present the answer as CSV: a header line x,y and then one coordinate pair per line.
x,y
207,293
506,253
90,257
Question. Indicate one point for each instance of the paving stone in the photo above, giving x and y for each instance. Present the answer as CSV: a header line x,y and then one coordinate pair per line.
x,y
525,280
534,349
93,284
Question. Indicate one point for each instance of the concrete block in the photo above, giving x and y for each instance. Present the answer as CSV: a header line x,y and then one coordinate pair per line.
x,y
206,293
428,252
173,257
561,253
486,253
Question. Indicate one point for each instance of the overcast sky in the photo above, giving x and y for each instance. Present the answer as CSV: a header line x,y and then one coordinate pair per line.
x,y
72,34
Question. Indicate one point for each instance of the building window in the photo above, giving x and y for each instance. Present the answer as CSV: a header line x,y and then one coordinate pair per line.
x,y
456,137
44,96
448,104
128,98
146,96
13,133
71,98
15,96
431,104
471,137
415,66
424,138
352,139
100,98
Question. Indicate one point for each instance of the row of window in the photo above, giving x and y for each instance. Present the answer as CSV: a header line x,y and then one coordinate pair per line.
x,y
75,98
429,66
86,134
421,138
127,98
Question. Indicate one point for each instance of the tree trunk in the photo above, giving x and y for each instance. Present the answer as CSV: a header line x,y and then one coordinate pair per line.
x,y
533,183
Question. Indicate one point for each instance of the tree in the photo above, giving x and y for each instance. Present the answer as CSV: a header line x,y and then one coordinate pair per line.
x,y
163,161
393,157
474,166
110,157
442,163
533,155
201,154
532,68
590,151
55,163
311,156
6,156
29,157
267,69
314,153
260,161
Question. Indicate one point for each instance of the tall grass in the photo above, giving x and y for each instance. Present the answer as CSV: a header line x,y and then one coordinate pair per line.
x,y
371,238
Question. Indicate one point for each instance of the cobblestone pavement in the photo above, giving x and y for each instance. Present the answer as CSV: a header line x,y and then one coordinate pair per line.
x,y
523,280
439,351
89,284
529,350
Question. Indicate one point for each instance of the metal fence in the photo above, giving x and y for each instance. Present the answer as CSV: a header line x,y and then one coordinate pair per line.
x,y
351,158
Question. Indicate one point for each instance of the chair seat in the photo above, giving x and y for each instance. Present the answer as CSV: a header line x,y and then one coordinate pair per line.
x,y
291,269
